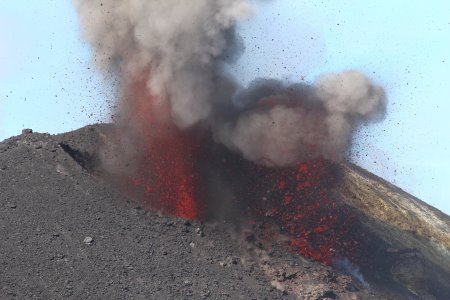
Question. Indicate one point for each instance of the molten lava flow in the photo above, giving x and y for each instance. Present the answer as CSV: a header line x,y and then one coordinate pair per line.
x,y
166,177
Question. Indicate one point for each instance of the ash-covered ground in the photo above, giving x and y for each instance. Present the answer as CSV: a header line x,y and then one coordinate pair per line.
x,y
66,233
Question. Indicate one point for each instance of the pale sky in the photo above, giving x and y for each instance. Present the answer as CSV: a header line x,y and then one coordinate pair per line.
x,y
48,84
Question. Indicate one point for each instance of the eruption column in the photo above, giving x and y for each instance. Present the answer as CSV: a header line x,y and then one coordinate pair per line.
x,y
170,57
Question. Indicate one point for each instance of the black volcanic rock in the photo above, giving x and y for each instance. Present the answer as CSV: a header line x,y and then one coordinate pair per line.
x,y
66,233
50,206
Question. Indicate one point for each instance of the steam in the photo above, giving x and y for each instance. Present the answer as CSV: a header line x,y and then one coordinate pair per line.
x,y
181,47
346,266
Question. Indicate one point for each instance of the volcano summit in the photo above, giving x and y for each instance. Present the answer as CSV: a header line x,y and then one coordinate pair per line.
x,y
383,243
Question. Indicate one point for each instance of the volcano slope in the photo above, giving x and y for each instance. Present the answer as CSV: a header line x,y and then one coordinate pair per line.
x,y
68,233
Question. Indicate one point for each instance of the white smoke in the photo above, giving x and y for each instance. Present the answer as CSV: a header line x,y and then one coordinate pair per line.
x,y
180,48
348,267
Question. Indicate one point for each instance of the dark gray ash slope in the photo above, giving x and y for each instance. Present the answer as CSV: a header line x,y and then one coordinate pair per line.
x,y
67,234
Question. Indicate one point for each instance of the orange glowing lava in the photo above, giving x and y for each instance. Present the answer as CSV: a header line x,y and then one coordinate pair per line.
x,y
166,175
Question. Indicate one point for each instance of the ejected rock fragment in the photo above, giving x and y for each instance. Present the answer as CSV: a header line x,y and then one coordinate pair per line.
x,y
199,232
88,240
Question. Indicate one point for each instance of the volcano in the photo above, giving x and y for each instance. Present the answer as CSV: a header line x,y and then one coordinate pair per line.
x,y
321,230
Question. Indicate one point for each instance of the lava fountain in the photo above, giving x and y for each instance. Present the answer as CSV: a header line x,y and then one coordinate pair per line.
x,y
166,176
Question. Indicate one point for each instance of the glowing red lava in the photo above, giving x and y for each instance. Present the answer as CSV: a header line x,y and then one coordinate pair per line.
x,y
301,202
166,175
298,200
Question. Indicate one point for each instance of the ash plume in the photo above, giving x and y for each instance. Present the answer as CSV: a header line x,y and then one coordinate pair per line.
x,y
287,124
181,47
176,44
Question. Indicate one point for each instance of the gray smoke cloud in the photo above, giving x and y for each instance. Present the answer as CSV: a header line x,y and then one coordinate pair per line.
x,y
175,44
181,47
297,122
